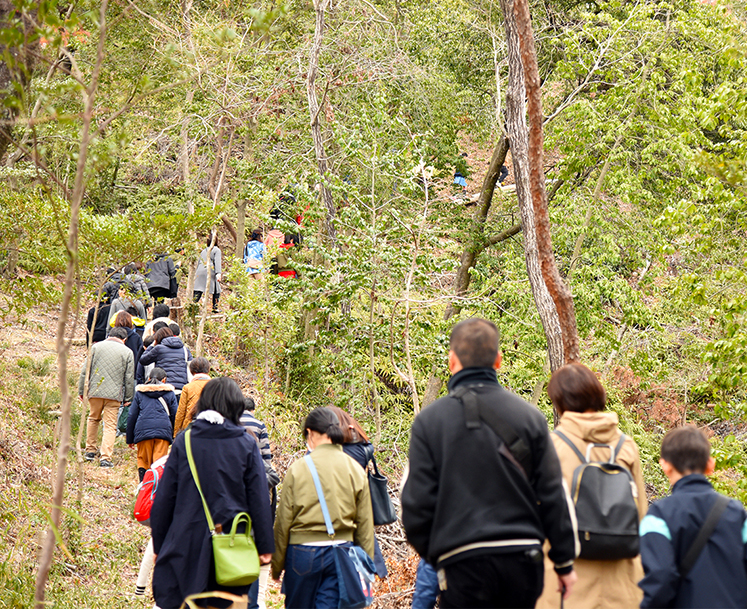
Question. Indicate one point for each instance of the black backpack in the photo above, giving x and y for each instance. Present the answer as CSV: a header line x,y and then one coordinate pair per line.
x,y
606,510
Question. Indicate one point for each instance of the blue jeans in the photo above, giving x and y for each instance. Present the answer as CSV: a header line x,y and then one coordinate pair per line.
x,y
426,587
253,593
310,578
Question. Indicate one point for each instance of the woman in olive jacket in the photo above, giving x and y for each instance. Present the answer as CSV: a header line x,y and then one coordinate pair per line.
x,y
302,546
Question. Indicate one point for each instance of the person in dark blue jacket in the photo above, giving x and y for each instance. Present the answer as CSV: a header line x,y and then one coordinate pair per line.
x,y
233,480
718,577
168,352
150,423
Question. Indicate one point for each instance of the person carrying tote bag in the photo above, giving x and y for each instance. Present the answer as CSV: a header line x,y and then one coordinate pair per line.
x,y
232,479
304,547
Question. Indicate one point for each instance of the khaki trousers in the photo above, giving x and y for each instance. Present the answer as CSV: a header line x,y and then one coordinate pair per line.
x,y
150,451
108,410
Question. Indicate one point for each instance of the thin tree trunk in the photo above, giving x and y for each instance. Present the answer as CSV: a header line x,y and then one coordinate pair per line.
x,y
518,134
240,227
62,344
559,290
320,7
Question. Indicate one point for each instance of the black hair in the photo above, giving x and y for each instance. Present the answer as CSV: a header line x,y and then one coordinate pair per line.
x,y
175,329
249,404
130,269
199,365
161,310
256,235
147,342
687,449
132,311
159,325
223,395
323,420
475,342
157,374
120,333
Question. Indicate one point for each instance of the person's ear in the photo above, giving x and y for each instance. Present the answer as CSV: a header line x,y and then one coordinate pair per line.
x,y
666,467
710,467
454,364
498,361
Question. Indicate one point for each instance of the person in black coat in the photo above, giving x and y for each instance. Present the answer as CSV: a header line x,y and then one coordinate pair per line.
x,y
233,480
150,423
99,332
168,352
357,446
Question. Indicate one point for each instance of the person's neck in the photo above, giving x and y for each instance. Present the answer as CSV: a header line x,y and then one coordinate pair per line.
x,y
114,338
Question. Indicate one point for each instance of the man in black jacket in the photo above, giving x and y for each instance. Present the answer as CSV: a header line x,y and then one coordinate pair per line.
x,y
484,488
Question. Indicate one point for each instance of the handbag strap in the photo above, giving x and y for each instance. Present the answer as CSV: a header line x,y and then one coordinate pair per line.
x,y
165,407
376,468
709,525
320,494
190,458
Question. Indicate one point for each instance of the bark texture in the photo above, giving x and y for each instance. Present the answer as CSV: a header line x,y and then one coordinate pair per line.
x,y
518,132
559,290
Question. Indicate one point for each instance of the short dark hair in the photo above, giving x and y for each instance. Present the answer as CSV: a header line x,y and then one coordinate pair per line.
x,y
157,374
576,388
475,342
161,310
223,395
132,311
130,268
687,449
175,329
148,341
161,334
324,421
158,325
120,333
199,365
249,404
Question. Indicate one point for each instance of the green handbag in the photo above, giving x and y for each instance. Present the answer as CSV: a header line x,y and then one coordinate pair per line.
x,y
235,556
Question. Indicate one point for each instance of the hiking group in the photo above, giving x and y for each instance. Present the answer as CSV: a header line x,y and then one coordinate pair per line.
x,y
502,512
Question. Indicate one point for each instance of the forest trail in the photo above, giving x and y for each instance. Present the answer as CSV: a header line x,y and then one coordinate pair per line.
x,y
106,549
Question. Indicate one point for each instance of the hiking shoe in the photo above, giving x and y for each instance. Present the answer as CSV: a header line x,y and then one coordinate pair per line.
x,y
106,463
90,456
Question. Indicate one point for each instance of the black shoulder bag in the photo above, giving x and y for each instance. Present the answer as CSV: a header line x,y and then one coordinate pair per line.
x,y
476,412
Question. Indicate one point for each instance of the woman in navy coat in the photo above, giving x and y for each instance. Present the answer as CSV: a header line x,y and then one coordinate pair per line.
x,y
168,352
233,480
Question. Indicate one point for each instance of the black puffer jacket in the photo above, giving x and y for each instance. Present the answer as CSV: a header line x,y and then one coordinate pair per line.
x,y
148,419
460,490
173,357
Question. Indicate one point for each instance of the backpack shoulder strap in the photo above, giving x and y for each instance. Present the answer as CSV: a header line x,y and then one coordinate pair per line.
x,y
619,446
575,449
709,525
476,410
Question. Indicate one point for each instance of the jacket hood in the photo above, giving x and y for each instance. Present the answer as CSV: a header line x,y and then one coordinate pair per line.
x,y
598,427
155,388
173,342
204,429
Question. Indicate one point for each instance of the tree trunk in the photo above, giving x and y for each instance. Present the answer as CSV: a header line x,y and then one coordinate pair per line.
x,y
518,134
17,71
240,228
316,131
559,291
62,344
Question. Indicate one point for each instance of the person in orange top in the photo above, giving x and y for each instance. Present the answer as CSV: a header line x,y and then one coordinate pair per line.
x,y
199,367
